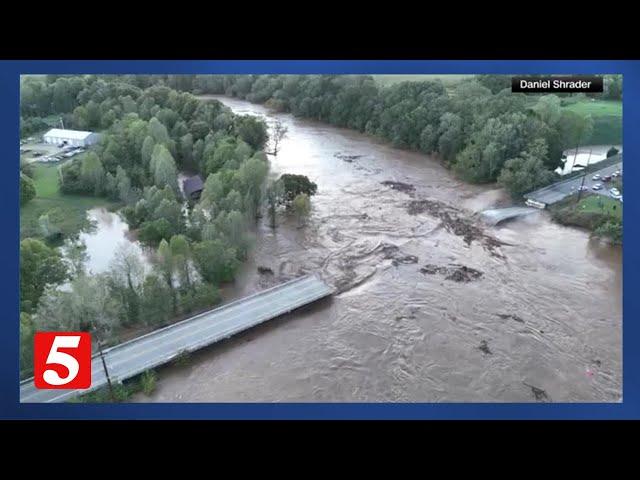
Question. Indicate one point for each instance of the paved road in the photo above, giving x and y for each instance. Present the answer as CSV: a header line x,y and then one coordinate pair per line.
x,y
558,191
156,348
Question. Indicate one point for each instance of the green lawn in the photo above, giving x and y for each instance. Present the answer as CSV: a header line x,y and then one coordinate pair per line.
x,y
68,212
601,204
597,108
607,120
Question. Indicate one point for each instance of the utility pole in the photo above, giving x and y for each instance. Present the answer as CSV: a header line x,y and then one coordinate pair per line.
x,y
584,175
106,371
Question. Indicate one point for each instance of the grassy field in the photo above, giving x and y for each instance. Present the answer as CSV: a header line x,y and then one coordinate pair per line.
x,y
600,214
597,108
447,80
67,211
600,204
607,120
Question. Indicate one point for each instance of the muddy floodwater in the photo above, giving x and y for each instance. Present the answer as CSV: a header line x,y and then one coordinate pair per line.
x,y
109,234
432,305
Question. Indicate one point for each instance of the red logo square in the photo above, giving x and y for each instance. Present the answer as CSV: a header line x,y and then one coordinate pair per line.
x,y
62,360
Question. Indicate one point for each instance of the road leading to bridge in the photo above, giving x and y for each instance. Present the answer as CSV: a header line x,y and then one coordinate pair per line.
x,y
560,190
159,347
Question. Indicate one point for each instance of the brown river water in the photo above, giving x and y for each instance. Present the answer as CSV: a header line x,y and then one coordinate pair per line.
x,y
433,306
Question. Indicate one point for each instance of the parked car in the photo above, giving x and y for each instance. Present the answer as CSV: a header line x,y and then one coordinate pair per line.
x,y
596,177
616,174
614,192
597,186
583,188
606,178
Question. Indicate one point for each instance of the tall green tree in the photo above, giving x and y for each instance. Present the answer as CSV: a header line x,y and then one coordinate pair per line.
x,y
126,273
166,267
156,305
88,305
40,266
92,174
164,168
252,130
181,254
216,262
526,172
27,189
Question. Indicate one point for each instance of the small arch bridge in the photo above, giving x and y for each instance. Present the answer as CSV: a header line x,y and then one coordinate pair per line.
x,y
499,215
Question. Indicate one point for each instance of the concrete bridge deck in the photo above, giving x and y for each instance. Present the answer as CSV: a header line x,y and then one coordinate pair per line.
x,y
498,215
159,347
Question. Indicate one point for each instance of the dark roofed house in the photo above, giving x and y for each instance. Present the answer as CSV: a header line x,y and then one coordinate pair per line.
x,y
192,187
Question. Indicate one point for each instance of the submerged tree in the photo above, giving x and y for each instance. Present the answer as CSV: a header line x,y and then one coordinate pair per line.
x,y
76,257
278,133
301,206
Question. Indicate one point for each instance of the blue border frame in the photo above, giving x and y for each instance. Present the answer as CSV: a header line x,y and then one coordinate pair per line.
x,y
10,408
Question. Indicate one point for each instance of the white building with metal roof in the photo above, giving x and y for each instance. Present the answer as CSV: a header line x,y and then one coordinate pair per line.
x,y
75,138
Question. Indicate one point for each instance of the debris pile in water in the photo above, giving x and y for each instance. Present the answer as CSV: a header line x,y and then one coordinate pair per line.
x,y
454,222
397,258
484,348
511,316
265,271
454,272
347,158
399,186
538,393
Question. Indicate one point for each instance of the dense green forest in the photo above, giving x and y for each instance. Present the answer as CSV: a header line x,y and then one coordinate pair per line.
x,y
477,127
149,134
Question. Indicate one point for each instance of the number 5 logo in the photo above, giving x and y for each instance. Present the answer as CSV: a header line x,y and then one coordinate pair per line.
x,y
62,360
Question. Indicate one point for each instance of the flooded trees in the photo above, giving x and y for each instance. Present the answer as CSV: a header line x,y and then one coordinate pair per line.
x,y
278,133
125,276
292,191
301,206
293,185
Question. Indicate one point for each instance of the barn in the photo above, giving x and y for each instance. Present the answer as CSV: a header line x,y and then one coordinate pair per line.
x,y
193,187
74,138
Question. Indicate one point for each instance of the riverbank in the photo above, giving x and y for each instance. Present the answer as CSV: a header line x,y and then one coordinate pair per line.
x,y
599,214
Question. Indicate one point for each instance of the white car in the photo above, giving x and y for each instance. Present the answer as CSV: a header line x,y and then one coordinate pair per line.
x,y
615,174
596,177
597,186
583,188
614,192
